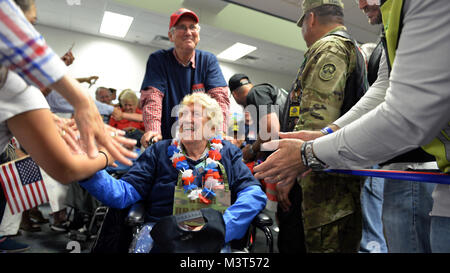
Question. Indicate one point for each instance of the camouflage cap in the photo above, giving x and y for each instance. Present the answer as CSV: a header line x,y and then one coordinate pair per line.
x,y
310,4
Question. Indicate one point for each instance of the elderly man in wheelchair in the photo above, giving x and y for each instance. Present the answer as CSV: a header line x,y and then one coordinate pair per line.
x,y
195,171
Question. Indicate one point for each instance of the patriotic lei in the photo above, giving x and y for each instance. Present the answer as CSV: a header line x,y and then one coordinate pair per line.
x,y
212,179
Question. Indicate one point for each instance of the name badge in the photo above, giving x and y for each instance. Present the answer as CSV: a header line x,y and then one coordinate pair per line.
x,y
200,87
200,167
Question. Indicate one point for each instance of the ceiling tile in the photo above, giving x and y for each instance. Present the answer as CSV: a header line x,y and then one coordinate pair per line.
x,y
86,18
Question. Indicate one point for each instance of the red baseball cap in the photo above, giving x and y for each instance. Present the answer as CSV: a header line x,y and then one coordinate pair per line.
x,y
177,15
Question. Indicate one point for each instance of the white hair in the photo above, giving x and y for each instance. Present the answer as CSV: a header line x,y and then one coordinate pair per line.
x,y
212,107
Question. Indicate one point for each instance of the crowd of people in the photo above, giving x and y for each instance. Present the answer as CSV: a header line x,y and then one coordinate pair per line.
x,y
349,107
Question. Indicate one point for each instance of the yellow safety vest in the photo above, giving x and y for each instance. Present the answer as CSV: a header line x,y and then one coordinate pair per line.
x,y
391,11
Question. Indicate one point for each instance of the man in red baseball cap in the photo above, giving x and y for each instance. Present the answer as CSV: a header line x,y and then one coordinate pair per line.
x,y
185,41
173,73
179,13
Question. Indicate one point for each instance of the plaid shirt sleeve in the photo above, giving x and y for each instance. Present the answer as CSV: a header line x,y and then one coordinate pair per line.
x,y
151,105
24,50
220,94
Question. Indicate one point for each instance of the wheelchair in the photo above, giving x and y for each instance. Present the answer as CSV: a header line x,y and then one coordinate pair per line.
x,y
120,226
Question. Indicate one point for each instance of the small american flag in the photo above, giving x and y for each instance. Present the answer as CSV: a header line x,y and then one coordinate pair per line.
x,y
23,185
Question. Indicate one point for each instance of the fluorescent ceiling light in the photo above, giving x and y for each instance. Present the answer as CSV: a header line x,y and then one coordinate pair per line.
x,y
236,51
115,24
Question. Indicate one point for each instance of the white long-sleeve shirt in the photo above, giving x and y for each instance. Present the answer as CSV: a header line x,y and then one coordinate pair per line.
x,y
373,97
24,52
417,103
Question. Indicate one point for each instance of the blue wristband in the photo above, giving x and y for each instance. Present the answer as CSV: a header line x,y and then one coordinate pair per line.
x,y
326,130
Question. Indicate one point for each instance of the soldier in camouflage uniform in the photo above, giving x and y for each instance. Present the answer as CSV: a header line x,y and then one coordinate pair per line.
x,y
330,206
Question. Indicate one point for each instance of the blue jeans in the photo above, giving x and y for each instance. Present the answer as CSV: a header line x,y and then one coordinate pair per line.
x,y
406,219
440,234
371,204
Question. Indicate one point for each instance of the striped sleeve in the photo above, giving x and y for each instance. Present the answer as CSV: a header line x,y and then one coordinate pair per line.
x,y
220,94
24,50
151,105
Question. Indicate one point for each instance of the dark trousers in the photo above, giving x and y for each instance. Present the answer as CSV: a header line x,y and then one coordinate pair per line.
x,y
2,205
291,237
3,159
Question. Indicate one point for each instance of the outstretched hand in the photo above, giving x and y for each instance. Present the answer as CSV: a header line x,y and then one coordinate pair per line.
x,y
92,80
284,164
89,122
303,135
93,131
71,135
68,58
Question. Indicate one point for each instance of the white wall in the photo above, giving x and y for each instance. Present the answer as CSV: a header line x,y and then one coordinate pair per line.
x,y
118,64
121,65
256,76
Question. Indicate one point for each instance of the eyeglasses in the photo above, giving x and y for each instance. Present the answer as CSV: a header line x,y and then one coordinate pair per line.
x,y
184,28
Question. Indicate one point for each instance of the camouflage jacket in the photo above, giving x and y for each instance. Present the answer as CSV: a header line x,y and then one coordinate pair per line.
x,y
328,64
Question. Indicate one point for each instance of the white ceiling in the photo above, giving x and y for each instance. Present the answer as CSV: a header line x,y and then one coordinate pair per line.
x,y
290,10
86,18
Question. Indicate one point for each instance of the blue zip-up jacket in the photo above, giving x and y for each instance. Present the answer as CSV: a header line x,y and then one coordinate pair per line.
x,y
152,178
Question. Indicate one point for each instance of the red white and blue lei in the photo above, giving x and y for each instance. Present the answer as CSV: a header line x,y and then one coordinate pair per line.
x,y
211,180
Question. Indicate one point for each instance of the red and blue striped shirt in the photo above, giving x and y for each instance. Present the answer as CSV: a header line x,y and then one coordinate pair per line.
x,y
24,51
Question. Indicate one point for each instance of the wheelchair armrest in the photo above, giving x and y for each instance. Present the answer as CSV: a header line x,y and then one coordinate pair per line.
x,y
135,215
262,220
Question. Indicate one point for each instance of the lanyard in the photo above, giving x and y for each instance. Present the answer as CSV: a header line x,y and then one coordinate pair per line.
x,y
297,89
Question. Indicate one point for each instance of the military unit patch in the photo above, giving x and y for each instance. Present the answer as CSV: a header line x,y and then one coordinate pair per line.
x,y
327,72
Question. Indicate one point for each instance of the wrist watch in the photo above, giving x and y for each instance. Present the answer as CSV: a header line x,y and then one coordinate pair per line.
x,y
309,159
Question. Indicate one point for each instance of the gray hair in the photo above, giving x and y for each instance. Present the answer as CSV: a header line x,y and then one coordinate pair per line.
x,y
211,106
100,88
128,95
